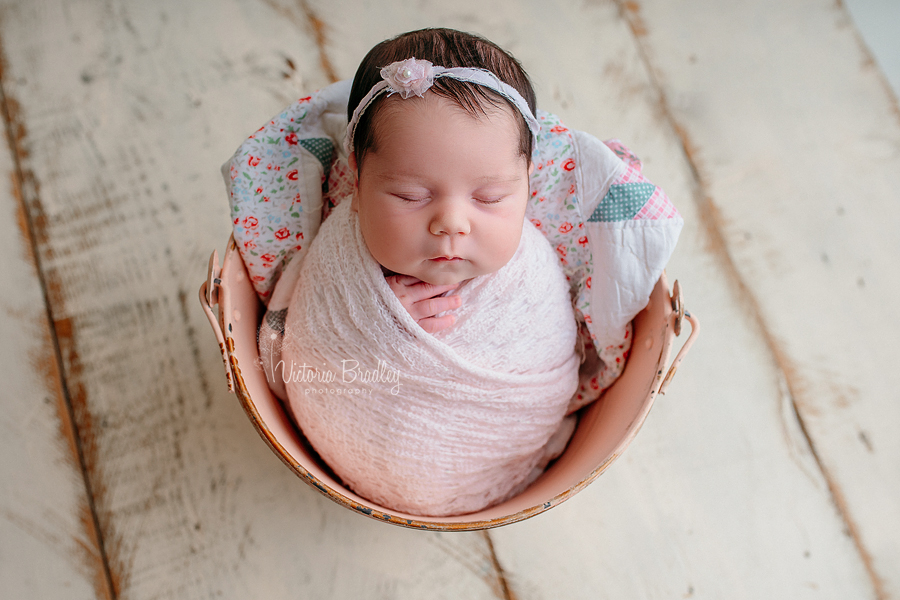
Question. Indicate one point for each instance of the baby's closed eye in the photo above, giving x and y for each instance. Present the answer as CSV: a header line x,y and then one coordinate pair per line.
x,y
411,197
491,199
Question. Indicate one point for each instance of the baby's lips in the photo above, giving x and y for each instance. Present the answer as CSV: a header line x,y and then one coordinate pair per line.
x,y
447,258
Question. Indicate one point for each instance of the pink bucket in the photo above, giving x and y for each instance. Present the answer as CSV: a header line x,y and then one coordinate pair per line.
x,y
605,428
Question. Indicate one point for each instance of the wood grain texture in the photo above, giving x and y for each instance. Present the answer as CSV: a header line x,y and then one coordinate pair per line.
x,y
795,139
49,544
768,470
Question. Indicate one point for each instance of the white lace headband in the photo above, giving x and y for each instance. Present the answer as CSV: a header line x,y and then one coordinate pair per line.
x,y
413,77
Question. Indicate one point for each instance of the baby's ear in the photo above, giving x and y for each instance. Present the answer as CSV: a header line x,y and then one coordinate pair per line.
x,y
530,167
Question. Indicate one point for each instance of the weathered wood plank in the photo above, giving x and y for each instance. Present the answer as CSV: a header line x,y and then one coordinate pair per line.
x,y
48,539
795,134
128,109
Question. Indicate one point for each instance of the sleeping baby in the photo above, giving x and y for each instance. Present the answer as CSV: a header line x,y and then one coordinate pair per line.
x,y
432,412
471,285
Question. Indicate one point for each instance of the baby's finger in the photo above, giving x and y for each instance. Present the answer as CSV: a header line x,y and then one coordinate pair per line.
x,y
422,290
402,280
432,306
410,289
435,324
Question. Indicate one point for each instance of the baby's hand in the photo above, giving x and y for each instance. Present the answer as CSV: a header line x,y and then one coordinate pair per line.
x,y
421,300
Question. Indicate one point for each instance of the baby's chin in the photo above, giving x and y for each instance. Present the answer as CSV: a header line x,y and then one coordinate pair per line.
x,y
443,273
446,278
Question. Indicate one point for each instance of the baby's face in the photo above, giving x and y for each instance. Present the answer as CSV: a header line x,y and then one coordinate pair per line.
x,y
443,196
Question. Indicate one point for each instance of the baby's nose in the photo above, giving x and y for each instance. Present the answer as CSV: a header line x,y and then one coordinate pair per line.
x,y
450,220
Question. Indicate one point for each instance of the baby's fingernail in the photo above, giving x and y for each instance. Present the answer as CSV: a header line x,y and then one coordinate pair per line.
x,y
457,301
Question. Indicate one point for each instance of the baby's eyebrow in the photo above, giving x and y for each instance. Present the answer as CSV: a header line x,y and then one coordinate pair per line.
x,y
393,176
413,178
500,179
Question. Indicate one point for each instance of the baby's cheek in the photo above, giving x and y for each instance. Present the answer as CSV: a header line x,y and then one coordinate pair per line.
x,y
376,242
390,255
507,242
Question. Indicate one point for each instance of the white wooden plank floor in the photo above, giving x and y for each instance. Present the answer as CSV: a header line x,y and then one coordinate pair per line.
x,y
48,541
770,470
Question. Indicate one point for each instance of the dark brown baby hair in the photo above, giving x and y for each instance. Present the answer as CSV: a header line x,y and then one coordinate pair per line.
x,y
446,48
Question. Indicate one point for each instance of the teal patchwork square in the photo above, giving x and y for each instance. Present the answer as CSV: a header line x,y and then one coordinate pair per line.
x,y
322,149
622,202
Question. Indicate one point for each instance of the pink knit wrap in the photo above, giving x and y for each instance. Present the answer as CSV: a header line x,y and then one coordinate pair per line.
x,y
426,424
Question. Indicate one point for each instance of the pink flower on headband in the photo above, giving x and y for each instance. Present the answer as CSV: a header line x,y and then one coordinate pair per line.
x,y
408,77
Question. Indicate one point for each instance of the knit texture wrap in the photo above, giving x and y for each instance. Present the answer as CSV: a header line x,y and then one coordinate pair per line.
x,y
430,424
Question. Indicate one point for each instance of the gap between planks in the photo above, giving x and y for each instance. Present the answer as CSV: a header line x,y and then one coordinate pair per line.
x,y
498,569
26,193
711,223
316,25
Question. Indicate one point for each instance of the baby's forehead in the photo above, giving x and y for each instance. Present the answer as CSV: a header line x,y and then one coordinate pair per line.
x,y
443,126
496,112
399,174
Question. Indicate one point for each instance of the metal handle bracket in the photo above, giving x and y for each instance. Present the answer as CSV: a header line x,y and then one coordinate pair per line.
x,y
679,314
209,297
